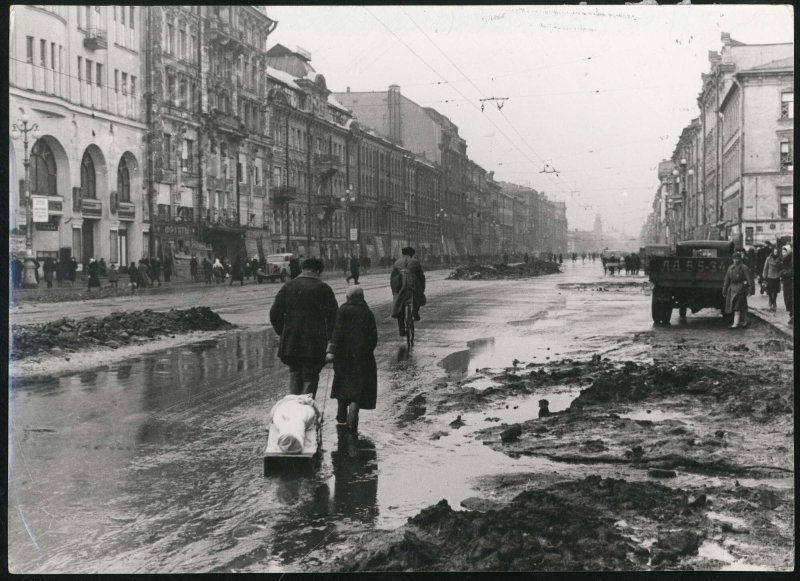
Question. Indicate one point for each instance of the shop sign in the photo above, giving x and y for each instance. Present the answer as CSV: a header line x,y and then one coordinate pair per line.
x,y
353,234
48,226
55,206
40,206
174,230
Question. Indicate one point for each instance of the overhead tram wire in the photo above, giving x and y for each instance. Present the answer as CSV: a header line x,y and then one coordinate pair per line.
x,y
470,101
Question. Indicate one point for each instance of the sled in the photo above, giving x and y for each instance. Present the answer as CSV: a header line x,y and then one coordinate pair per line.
x,y
275,459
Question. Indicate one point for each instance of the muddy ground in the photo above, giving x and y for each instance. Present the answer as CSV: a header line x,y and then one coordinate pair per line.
x,y
504,271
683,460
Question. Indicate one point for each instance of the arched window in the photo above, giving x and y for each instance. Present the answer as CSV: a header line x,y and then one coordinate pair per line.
x,y
123,181
42,170
88,177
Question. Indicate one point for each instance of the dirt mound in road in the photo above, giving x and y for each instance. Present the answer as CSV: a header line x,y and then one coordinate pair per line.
x,y
580,525
113,331
504,271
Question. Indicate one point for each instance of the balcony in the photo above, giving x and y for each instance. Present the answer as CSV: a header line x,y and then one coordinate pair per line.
x,y
221,33
327,164
96,38
91,208
126,211
285,194
222,221
226,123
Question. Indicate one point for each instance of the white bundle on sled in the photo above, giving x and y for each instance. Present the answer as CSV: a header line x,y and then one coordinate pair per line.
x,y
292,416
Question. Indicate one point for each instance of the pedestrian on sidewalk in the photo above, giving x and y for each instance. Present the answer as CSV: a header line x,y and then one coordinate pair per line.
x,y
133,276
355,379
771,275
787,277
94,274
207,270
354,269
254,267
155,271
167,269
113,275
193,268
72,272
144,273
49,271
304,314
218,270
737,285
237,270
59,270
294,266
102,267
762,254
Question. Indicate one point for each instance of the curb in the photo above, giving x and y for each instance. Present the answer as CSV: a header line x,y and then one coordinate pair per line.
x,y
787,330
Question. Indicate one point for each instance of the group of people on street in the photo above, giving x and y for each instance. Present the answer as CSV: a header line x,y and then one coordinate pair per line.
x,y
774,267
148,273
315,330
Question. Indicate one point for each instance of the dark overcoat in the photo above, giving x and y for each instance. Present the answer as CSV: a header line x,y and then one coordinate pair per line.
x,y
93,272
303,314
355,336
406,278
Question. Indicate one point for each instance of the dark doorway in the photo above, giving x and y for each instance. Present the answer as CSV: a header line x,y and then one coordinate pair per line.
x,y
87,241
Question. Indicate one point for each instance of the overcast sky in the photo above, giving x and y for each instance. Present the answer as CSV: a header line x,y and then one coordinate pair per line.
x,y
599,93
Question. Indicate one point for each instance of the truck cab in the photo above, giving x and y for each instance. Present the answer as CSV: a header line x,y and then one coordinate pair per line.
x,y
691,277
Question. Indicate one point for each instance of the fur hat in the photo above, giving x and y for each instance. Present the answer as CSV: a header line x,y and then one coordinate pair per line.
x,y
408,251
314,264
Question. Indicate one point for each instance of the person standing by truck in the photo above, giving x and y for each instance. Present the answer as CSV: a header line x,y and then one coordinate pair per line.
x,y
787,276
771,275
737,285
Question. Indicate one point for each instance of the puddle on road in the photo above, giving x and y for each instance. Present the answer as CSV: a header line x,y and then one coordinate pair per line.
x,y
713,551
500,352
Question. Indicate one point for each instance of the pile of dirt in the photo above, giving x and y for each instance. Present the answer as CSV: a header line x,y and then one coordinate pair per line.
x,y
581,525
504,271
113,331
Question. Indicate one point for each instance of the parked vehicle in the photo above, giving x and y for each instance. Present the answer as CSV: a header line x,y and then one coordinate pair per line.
x,y
651,250
689,278
612,260
277,267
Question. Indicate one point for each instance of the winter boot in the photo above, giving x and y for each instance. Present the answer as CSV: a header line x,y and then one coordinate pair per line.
x,y
352,418
736,318
295,383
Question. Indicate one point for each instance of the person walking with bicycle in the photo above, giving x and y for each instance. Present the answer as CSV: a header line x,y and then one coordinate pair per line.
x,y
407,281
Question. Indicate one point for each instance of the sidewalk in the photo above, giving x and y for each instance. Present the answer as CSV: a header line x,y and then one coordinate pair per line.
x,y
759,307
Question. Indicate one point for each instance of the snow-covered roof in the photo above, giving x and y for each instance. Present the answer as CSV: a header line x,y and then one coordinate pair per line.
x,y
282,76
334,102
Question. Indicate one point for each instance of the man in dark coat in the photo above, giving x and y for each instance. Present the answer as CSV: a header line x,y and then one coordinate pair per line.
x,y
193,268
73,270
304,314
354,269
49,271
254,267
59,271
237,270
207,270
155,271
407,280
167,269
94,274
355,380
294,267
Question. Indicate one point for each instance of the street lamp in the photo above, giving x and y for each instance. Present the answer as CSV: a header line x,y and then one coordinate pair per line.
x,y
347,199
18,132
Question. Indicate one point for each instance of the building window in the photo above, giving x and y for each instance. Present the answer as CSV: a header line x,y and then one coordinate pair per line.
x,y
89,71
116,80
170,38
133,86
123,181
124,83
53,55
99,78
787,206
786,156
88,177
182,52
80,69
131,18
43,53
168,150
787,105
29,49
187,155
122,15
42,170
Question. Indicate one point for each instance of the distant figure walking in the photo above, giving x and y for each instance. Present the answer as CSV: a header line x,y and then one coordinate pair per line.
x,y
354,269
93,271
787,277
738,284
113,275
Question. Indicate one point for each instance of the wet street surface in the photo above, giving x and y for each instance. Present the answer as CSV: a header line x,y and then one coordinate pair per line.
x,y
154,464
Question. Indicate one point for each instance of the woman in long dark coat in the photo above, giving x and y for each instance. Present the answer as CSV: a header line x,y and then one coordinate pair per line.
x,y
94,274
355,379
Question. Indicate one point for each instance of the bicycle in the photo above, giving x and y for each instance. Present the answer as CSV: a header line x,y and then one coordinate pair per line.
x,y
408,314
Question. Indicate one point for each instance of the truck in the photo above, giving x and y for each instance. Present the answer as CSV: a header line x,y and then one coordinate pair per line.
x,y
689,278
650,251
612,260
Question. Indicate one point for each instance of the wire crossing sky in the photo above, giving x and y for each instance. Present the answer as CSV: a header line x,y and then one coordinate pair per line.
x,y
601,93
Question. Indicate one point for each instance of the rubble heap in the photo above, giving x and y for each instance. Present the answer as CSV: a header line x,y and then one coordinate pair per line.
x,y
115,330
504,271
573,526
